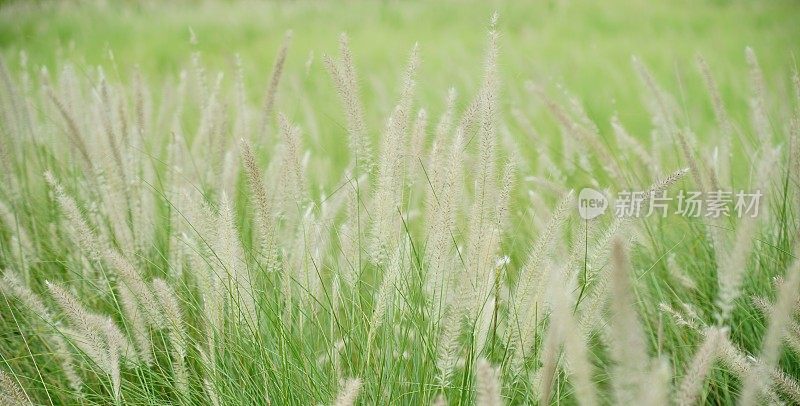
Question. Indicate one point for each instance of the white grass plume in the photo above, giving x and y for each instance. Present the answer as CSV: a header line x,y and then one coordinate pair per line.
x,y
275,77
758,102
488,384
527,308
13,285
387,290
168,301
349,392
788,295
448,346
96,336
346,82
11,393
388,198
234,268
263,206
699,367
732,265
628,343
137,325
482,237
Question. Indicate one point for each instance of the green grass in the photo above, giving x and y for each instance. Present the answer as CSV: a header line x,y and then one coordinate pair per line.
x,y
566,48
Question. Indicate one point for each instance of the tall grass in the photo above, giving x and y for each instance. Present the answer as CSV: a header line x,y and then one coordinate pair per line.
x,y
179,245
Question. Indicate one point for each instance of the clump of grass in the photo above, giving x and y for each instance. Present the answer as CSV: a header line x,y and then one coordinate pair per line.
x,y
140,268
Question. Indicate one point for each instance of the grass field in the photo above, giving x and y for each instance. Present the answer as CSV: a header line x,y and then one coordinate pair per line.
x,y
232,203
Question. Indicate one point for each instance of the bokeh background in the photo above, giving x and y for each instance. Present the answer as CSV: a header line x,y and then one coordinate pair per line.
x,y
586,46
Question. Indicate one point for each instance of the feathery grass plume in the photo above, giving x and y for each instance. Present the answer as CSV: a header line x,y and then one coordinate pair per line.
x,y
66,361
445,123
11,393
659,378
738,362
592,135
96,248
208,361
742,366
137,324
205,130
417,147
234,267
116,203
483,237
168,301
487,311
679,274
230,171
720,112
507,183
132,279
699,367
96,336
336,359
105,111
440,400
86,238
732,266
141,106
549,359
13,285
579,365
441,208
527,304
785,383
115,342
487,380
388,198
597,252
311,247
563,329
349,392
588,139
263,208
293,175
662,107
792,334
627,340
180,252
758,101
624,139
788,295
346,82
448,346
385,296
689,156
198,70
73,131
350,232
274,80
144,208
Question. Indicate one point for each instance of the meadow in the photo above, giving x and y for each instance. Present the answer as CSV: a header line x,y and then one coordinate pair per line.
x,y
236,203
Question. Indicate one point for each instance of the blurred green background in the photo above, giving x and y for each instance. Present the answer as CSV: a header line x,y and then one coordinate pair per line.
x,y
587,46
